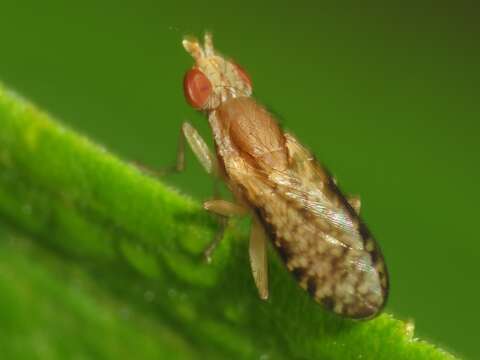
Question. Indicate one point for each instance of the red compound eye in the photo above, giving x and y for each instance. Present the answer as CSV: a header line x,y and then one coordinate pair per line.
x,y
243,74
197,88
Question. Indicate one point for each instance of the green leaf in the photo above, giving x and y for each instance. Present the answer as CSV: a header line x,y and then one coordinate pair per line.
x,y
99,260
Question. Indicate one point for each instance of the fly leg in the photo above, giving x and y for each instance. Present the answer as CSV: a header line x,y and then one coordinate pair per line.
x,y
258,257
225,210
178,167
199,148
207,253
257,246
355,203
222,208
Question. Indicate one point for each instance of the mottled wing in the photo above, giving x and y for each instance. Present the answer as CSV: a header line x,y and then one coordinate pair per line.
x,y
320,237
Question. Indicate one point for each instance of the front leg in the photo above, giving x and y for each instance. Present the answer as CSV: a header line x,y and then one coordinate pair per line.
x,y
200,149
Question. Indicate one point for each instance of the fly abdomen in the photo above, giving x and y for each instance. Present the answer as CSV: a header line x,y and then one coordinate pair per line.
x,y
343,278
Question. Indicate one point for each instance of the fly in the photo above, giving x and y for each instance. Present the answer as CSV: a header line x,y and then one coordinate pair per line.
x,y
292,199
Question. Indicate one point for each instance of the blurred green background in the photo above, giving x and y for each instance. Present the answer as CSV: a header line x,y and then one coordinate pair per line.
x,y
388,98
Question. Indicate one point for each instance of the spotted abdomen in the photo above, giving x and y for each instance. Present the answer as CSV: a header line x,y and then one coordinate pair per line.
x,y
347,277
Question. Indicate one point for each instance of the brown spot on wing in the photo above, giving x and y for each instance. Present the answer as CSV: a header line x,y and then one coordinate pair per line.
x,y
328,302
299,273
312,286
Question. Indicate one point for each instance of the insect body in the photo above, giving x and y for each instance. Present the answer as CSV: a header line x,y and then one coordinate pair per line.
x,y
293,201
